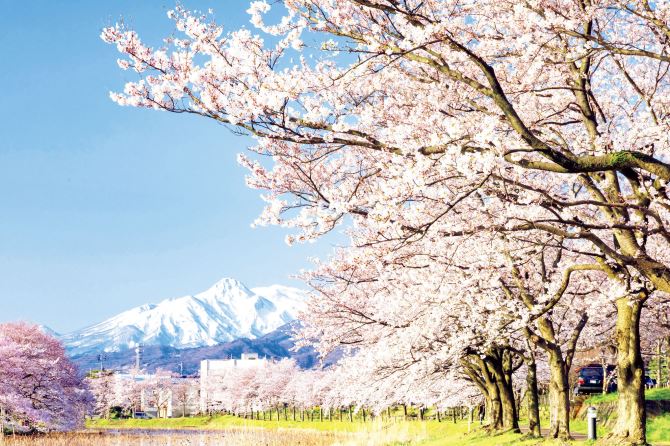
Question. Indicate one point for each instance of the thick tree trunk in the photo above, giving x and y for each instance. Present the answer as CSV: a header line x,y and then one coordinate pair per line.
x,y
559,397
500,365
630,428
494,408
492,374
559,366
509,413
533,402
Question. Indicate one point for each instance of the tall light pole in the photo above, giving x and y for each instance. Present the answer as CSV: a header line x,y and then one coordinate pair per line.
x,y
138,356
102,357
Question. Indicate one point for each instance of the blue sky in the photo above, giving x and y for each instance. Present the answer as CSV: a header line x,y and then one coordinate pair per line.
x,y
103,207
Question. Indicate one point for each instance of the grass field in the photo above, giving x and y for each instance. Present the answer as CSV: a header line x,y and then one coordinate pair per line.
x,y
424,433
650,395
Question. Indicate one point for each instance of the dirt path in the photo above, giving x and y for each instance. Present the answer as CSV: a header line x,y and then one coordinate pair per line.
x,y
545,432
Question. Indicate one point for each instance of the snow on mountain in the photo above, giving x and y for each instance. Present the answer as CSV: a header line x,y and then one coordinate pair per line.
x,y
227,311
48,331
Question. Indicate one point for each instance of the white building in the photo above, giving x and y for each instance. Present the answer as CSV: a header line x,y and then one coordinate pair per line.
x,y
160,395
215,370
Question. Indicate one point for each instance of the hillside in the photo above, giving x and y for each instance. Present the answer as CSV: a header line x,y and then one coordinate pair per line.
x,y
277,344
226,311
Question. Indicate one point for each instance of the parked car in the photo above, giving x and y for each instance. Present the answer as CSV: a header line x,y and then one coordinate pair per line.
x,y
590,379
649,382
142,416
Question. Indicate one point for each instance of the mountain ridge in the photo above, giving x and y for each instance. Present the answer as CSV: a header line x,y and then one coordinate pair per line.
x,y
226,311
275,345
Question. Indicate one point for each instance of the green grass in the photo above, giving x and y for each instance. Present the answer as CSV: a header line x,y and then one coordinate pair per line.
x,y
658,429
426,433
650,395
220,422
405,433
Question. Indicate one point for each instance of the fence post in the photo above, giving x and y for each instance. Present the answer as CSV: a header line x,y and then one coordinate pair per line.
x,y
659,372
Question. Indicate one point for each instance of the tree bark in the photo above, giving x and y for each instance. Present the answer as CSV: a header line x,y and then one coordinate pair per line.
x,y
559,366
480,370
630,428
509,412
494,407
533,402
559,397
501,367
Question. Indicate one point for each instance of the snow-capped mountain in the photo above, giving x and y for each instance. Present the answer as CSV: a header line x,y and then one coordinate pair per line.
x,y
47,330
227,311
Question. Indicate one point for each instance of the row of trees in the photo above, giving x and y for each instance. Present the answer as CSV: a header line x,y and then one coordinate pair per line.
x,y
281,389
129,393
40,388
272,390
501,169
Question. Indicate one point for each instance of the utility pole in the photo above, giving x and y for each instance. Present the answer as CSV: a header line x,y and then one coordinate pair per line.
x,y
102,358
138,356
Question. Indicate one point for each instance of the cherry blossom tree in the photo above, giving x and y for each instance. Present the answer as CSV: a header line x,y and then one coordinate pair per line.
x,y
184,394
40,386
157,391
442,119
547,281
103,388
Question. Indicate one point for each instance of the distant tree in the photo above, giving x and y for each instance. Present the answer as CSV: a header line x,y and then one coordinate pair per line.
x,y
103,387
40,386
157,390
184,394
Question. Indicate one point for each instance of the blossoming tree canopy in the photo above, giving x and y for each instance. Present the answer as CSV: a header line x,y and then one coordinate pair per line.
x,y
40,386
437,120
440,110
